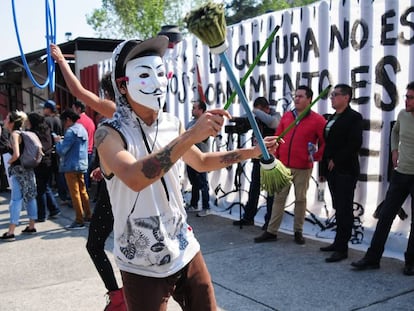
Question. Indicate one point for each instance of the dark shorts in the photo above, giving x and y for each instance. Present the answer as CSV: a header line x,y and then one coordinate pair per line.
x,y
191,287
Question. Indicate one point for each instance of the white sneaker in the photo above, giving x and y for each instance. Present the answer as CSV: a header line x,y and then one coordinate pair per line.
x,y
204,212
193,209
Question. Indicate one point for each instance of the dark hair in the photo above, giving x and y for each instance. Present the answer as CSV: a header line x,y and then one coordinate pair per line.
x,y
17,118
410,86
345,90
43,131
37,122
72,115
307,89
78,104
106,85
202,105
260,102
273,102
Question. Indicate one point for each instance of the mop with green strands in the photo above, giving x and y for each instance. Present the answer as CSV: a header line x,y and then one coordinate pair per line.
x,y
267,183
209,25
252,65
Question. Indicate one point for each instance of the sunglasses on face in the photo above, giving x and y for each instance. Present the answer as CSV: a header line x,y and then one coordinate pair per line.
x,y
334,94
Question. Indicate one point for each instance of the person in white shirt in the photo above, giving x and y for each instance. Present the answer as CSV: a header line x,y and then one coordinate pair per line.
x,y
154,246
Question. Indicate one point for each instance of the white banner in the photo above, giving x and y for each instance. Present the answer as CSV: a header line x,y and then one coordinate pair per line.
x,y
367,44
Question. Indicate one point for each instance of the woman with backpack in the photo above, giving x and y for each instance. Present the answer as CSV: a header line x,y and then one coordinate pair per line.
x,y
43,172
23,182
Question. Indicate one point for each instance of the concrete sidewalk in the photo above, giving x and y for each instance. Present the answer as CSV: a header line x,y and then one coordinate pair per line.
x,y
52,271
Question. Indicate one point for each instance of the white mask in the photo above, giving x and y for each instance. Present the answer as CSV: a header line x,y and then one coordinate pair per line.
x,y
147,81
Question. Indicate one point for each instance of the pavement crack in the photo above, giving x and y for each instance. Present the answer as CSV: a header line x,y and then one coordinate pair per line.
x,y
245,297
386,299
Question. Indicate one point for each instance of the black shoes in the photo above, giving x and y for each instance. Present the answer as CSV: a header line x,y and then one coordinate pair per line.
x,y
29,230
408,269
299,239
54,215
329,248
265,237
269,237
243,222
365,264
75,226
9,237
337,256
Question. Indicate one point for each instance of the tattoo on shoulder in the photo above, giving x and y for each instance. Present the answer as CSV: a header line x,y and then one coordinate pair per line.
x,y
230,158
100,135
154,167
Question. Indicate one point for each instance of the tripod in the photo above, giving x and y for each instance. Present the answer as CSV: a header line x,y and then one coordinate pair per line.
x,y
237,184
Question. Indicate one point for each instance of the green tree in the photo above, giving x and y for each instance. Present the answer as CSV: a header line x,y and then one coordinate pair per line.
x,y
238,10
144,18
137,18
129,18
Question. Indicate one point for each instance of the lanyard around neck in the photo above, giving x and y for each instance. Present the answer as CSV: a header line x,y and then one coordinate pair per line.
x,y
149,150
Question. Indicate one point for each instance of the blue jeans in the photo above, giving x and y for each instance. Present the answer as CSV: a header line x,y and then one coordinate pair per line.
x,y
62,187
16,203
45,197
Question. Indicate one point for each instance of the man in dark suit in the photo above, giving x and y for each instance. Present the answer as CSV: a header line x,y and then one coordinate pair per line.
x,y
340,166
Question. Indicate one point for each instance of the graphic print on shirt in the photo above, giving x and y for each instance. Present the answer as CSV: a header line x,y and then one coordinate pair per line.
x,y
151,241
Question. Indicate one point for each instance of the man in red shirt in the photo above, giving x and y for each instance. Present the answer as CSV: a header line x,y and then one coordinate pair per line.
x,y
294,155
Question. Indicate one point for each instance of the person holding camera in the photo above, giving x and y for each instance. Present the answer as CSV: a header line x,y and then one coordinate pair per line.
x,y
267,121
294,155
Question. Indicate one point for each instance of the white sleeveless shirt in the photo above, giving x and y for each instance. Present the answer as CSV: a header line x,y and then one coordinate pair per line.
x,y
151,234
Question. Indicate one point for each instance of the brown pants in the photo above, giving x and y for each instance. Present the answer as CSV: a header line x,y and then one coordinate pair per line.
x,y
191,287
78,195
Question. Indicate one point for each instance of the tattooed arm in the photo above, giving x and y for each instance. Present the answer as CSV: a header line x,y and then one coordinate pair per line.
x,y
210,161
140,173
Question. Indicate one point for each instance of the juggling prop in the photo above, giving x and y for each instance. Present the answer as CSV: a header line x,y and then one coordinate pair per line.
x,y
50,38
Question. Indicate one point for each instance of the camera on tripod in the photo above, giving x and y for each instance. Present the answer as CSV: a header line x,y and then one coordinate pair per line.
x,y
241,125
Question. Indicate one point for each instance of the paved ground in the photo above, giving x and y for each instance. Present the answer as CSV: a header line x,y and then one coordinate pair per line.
x,y
52,271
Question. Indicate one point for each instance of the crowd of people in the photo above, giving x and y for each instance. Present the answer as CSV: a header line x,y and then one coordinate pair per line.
x,y
135,150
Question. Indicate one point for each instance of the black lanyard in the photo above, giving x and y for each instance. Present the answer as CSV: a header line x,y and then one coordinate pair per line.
x,y
147,146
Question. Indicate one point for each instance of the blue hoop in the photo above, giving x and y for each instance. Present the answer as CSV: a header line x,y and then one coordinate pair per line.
x,y
50,38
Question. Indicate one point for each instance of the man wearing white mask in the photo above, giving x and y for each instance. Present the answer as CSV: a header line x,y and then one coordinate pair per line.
x,y
154,246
